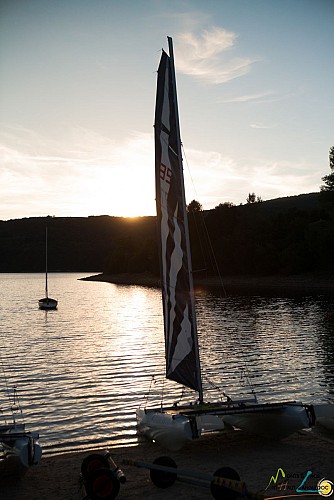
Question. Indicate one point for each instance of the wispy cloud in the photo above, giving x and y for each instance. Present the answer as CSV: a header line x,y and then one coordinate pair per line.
x,y
267,96
98,176
88,175
220,178
208,56
259,125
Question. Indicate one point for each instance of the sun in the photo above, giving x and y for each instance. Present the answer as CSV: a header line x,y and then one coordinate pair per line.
x,y
119,182
121,192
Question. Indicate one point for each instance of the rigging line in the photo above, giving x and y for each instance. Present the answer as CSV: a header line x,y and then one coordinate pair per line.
x,y
212,253
215,386
5,378
162,393
153,381
183,390
245,365
14,402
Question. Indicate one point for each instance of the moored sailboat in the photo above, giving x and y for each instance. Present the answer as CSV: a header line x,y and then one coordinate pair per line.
x,y
173,426
47,302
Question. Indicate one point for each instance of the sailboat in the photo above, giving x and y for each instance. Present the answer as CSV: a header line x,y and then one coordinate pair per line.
x,y
19,448
173,426
47,302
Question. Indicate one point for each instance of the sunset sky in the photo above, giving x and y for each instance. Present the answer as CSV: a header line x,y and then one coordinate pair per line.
x,y
77,94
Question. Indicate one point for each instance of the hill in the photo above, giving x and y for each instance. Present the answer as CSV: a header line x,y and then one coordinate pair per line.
x,y
74,243
283,236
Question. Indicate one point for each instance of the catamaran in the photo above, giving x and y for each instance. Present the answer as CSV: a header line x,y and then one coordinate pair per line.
x,y
173,426
47,302
19,448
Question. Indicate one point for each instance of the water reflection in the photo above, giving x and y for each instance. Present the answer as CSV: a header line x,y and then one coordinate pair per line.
x,y
82,370
275,338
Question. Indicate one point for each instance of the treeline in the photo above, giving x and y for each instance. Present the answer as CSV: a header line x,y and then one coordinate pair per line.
x,y
284,236
74,243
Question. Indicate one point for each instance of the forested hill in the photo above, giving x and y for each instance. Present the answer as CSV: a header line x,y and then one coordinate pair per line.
x,y
283,236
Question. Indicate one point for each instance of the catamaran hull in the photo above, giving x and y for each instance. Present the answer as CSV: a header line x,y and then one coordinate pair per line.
x,y
324,414
19,450
173,427
47,303
172,431
275,424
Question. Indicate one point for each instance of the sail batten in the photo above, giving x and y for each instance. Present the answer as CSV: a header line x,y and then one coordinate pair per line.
x,y
182,358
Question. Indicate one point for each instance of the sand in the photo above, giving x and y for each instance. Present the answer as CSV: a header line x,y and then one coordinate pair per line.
x,y
255,459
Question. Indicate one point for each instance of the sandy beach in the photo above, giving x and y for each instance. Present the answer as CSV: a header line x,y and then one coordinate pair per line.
x,y
255,459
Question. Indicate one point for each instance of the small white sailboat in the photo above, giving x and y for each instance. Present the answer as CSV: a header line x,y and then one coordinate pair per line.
x,y
172,427
47,303
19,448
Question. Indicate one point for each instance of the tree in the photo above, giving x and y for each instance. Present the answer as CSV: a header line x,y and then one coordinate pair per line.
x,y
194,207
252,198
329,179
226,204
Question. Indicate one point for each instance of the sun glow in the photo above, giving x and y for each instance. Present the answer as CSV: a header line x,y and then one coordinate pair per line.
x,y
124,184
120,192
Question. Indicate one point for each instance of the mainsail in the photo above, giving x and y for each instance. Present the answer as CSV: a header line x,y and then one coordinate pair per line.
x,y
181,345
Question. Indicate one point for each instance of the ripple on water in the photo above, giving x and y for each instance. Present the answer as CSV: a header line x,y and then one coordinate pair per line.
x,y
82,370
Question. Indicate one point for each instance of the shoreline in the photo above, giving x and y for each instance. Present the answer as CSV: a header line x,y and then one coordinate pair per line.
x,y
288,285
255,459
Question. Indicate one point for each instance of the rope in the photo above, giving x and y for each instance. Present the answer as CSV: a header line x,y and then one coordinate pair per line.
x,y
212,253
216,267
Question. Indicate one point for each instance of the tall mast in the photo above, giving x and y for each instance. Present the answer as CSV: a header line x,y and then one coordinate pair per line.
x,y
46,262
184,209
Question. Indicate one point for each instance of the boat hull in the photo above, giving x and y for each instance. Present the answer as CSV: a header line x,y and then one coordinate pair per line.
x,y
48,303
173,430
276,423
173,427
170,430
324,414
19,450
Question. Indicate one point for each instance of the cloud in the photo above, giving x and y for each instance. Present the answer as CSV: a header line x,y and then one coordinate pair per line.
x,y
90,174
207,57
93,175
220,178
266,96
259,125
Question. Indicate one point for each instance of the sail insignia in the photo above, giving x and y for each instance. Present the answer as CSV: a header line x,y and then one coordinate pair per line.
x,y
178,299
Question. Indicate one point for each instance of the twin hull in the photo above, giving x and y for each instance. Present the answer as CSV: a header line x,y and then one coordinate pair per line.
x,y
173,430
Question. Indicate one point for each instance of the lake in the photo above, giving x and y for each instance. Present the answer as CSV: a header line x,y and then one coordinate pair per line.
x,y
82,370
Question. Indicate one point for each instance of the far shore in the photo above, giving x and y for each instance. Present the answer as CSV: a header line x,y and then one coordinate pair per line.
x,y
298,284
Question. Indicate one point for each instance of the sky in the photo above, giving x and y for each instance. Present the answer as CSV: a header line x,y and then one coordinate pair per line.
x,y
77,95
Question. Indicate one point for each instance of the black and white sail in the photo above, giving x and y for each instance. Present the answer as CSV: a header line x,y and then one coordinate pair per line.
x,y
182,358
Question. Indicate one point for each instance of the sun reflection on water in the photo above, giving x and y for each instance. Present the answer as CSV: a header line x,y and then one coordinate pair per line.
x,y
82,370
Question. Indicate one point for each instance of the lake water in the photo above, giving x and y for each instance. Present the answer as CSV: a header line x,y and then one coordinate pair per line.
x,y
82,370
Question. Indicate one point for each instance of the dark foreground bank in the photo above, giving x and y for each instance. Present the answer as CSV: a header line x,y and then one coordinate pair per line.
x,y
298,284
256,460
